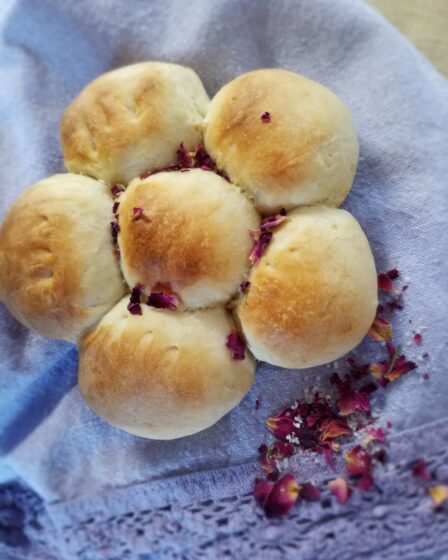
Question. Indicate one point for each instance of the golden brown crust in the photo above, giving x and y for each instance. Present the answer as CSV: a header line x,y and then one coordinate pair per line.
x,y
44,266
163,374
313,295
132,120
193,235
286,161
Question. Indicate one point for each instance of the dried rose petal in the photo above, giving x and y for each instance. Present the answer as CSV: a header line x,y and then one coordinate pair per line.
x,y
419,469
358,461
309,492
203,159
182,157
116,190
380,330
365,482
385,284
260,247
115,207
262,490
266,117
282,497
394,305
417,339
237,344
334,428
257,404
393,274
374,434
117,253
135,308
439,495
340,489
350,400
244,286
270,455
426,376
271,222
137,213
280,425
389,424
115,229
163,300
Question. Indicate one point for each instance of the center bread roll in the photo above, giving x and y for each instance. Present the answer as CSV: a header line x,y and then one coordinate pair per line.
x,y
187,233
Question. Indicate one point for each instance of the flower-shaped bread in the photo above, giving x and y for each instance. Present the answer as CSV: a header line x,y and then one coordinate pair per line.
x,y
218,221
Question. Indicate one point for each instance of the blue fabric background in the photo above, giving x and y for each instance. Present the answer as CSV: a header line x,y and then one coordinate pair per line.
x,y
50,49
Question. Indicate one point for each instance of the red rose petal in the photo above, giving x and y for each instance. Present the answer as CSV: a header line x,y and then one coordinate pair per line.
x,y
163,300
244,286
417,339
334,428
385,284
359,462
260,247
380,330
340,489
393,274
266,117
374,434
281,425
419,469
137,213
262,490
237,345
309,492
282,497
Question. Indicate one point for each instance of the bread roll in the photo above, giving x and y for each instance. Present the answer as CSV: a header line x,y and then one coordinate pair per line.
x,y
192,235
58,273
313,295
162,374
132,120
303,152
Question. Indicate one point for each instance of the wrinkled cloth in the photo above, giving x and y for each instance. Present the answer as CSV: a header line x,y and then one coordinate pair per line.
x,y
50,50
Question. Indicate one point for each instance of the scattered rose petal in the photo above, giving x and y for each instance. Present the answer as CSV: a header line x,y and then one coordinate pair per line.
x,y
358,461
309,492
271,222
417,339
404,288
389,424
393,274
116,190
134,306
115,207
260,246
163,300
183,158
374,434
350,400
137,213
419,469
380,330
115,229
266,117
385,284
261,490
282,497
117,253
340,489
439,495
244,286
394,305
257,404
280,425
334,428
426,376
237,344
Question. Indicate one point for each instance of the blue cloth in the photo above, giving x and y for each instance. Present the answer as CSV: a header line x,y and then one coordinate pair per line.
x,y
49,50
